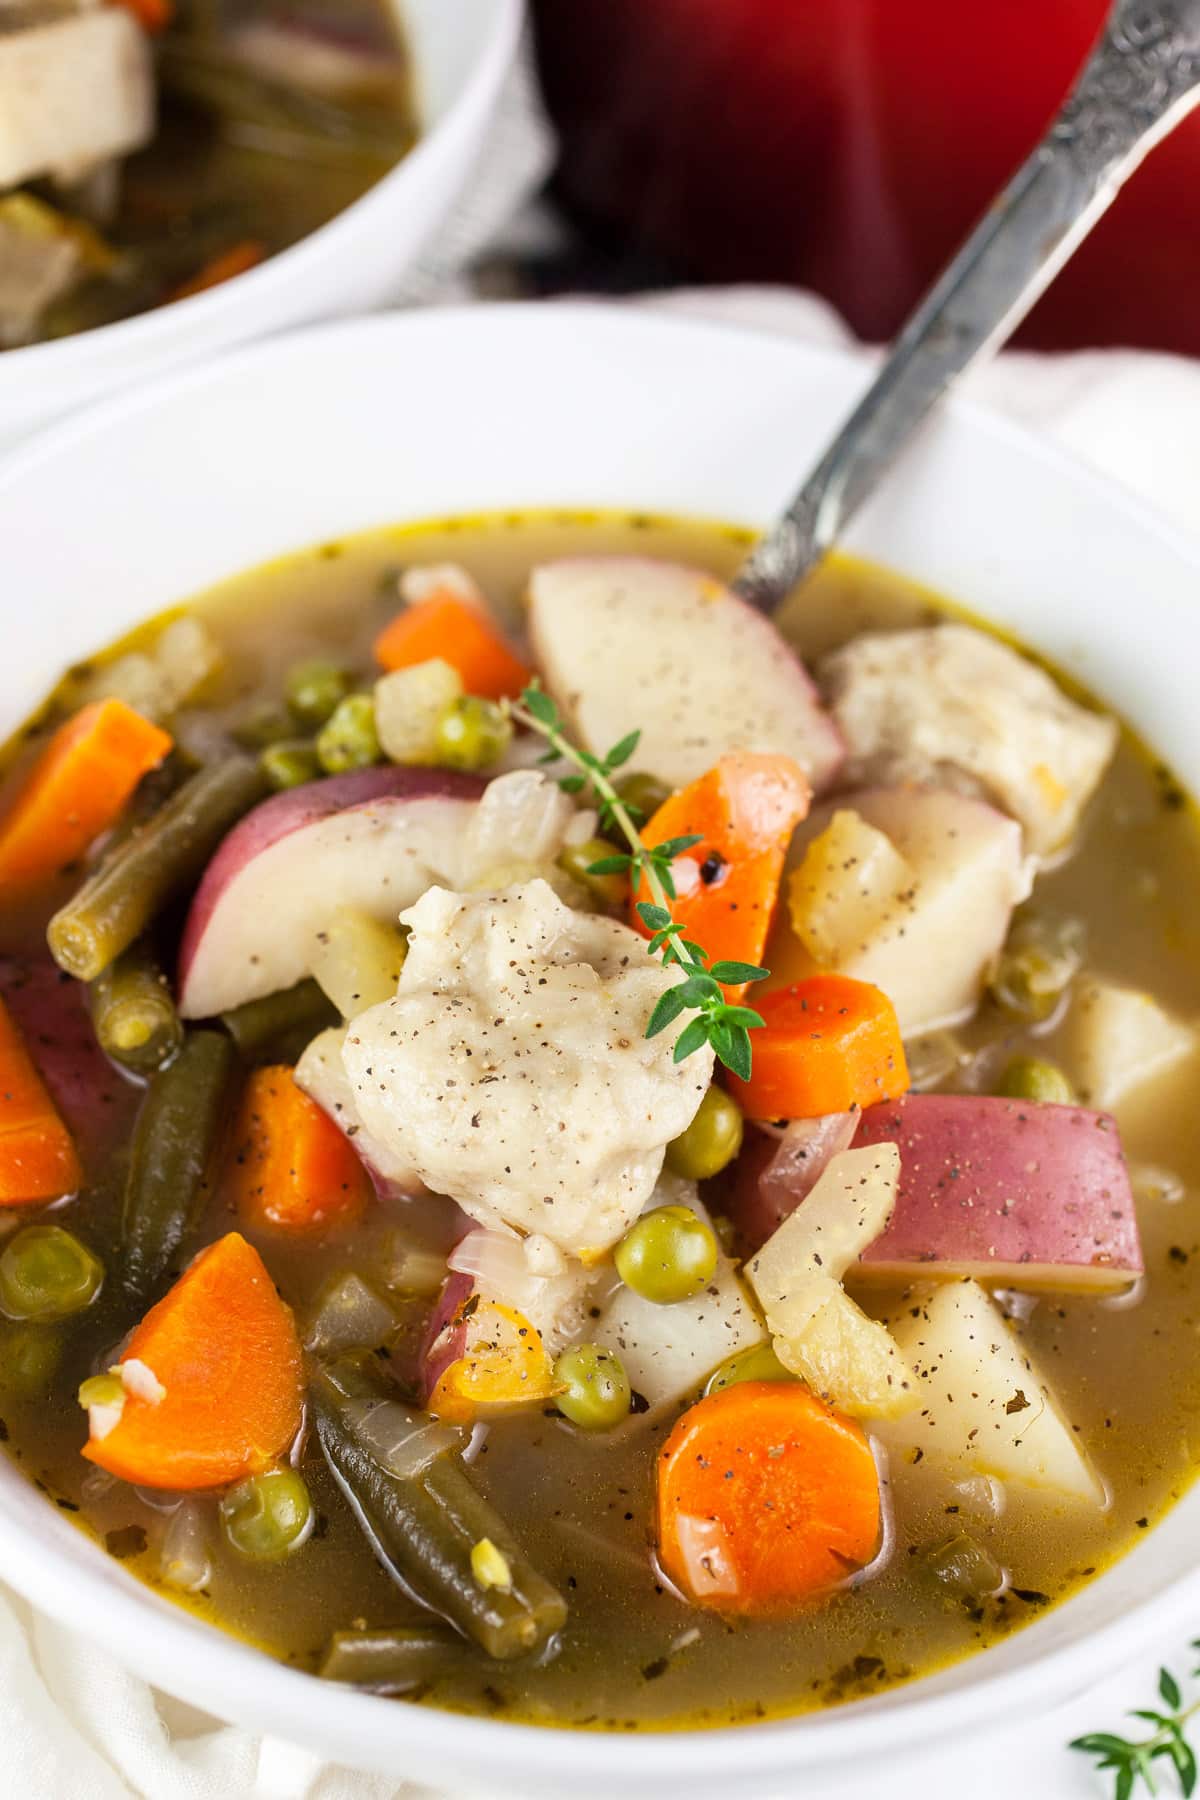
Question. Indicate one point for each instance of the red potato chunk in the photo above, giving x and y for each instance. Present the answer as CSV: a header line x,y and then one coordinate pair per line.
x,y
1006,1192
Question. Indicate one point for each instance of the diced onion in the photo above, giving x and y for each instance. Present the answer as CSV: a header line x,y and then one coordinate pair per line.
x,y
522,1273
703,1546
185,1560
349,1315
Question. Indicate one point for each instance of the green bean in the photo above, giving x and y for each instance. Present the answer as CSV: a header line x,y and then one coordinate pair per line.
x,y
279,1027
424,1527
393,1660
293,120
133,1013
173,1141
155,864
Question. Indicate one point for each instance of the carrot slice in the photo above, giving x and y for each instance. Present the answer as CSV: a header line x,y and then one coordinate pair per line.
x,y
223,267
502,1364
223,1348
38,1160
744,811
76,789
294,1170
445,625
767,1498
827,1045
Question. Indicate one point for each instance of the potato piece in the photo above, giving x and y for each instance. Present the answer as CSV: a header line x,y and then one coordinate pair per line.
x,y
408,706
817,1330
985,1407
73,92
1119,1039
848,886
628,643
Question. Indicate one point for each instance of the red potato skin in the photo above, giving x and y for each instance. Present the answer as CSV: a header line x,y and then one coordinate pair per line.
x,y
282,814
772,1176
97,1103
1004,1190
445,1339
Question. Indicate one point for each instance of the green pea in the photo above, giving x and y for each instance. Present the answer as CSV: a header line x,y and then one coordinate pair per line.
x,y
669,1255
594,1390
608,891
315,689
46,1273
472,734
350,740
759,1363
643,793
1031,1078
268,1516
711,1141
29,1360
290,763
1037,965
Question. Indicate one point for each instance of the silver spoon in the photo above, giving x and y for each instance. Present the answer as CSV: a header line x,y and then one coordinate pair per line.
x,y
1142,78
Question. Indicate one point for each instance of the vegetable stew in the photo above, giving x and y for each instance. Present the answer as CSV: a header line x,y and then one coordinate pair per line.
x,y
567,1154
153,149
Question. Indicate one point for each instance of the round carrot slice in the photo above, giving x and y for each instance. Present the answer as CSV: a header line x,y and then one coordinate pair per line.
x,y
219,1391
767,1498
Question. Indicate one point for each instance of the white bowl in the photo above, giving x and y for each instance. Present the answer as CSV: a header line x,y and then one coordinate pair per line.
x,y
308,438
462,52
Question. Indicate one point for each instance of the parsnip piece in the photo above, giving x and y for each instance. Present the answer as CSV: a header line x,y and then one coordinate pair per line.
x,y
818,1331
358,960
849,884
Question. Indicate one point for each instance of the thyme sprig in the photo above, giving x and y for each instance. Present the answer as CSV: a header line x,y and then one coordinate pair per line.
x,y
1132,1759
716,1021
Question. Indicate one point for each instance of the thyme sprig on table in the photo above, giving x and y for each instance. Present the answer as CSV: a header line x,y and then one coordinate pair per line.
x,y
1132,1759
715,1020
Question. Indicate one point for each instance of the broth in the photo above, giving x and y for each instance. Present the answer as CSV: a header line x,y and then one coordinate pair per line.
x,y
633,1654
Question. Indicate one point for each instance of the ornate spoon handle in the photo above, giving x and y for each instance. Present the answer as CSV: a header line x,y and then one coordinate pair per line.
x,y
1141,79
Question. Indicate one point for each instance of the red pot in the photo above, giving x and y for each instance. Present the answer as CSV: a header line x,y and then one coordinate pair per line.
x,y
848,145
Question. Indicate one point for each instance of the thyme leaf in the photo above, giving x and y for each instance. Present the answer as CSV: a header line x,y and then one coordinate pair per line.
x,y
714,1020
1131,1760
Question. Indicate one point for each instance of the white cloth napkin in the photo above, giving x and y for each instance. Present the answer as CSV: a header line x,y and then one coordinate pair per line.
x,y
72,1722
